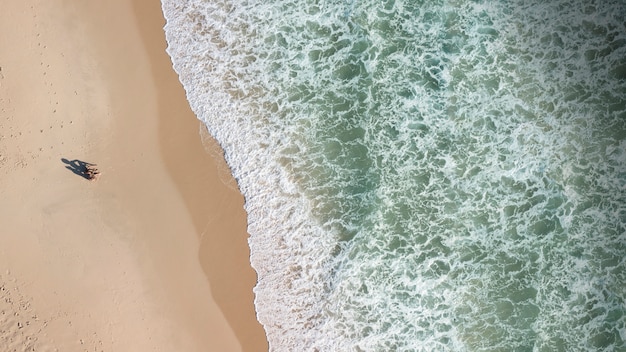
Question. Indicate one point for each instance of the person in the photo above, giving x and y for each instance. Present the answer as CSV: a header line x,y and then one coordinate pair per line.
x,y
82,168
91,172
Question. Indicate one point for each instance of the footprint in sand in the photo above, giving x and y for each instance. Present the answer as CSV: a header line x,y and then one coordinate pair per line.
x,y
19,323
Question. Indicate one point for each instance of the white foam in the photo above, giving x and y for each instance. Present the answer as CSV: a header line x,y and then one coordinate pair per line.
x,y
477,198
288,250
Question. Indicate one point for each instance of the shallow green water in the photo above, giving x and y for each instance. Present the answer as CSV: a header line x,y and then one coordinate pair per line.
x,y
422,175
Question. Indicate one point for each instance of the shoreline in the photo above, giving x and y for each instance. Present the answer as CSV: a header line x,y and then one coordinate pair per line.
x,y
210,192
129,261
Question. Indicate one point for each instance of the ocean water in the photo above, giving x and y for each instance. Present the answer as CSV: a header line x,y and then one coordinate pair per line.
x,y
422,175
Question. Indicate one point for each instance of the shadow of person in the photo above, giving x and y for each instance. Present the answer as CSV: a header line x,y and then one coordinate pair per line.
x,y
80,168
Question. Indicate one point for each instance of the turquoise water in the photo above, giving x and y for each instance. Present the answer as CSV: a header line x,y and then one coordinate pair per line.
x,y
422,175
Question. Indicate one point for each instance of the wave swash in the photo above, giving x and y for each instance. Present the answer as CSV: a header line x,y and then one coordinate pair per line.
x,y
422,175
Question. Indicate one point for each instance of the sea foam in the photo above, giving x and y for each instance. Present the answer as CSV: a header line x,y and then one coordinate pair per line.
x,y
421,176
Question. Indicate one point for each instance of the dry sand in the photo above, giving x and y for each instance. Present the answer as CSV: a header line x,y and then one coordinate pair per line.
x,y
153,255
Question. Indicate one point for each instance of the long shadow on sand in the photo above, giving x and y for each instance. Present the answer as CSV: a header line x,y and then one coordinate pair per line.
x,y
78,167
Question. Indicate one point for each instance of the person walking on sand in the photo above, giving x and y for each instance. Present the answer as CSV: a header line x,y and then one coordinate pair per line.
x,y
82,168
92,172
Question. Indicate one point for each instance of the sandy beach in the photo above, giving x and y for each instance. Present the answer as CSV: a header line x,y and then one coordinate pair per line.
x,y
151,256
